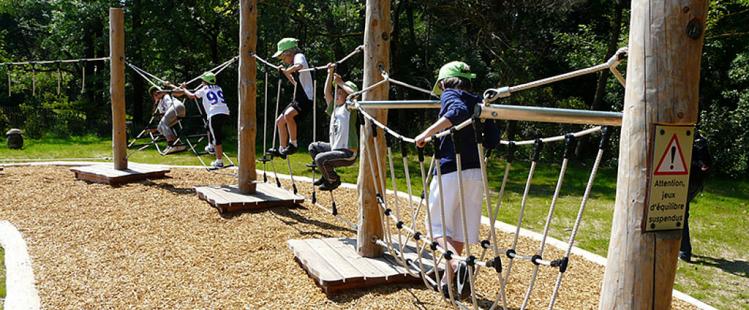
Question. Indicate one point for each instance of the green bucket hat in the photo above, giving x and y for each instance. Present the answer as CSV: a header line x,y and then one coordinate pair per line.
x,y
352,85
285,44
209,77
153,89
452,69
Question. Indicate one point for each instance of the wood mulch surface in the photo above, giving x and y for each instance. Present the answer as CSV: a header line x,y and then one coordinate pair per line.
x,y
154,244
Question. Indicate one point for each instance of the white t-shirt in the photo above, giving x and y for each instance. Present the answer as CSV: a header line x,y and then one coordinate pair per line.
x,y
339,127
166,102
213,100
304,77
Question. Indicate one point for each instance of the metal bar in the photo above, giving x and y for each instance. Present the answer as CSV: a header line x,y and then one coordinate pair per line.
x,y
551,115
399,104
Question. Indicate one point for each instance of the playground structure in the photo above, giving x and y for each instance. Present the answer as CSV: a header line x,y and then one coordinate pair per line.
x,y
669,99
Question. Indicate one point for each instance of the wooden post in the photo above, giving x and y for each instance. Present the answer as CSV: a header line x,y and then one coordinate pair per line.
x,y
247,126
376,57
663,72
117,86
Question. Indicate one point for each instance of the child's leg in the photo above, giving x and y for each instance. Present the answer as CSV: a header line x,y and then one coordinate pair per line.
x,y
219,151
283,136
290,115
216,123
333,159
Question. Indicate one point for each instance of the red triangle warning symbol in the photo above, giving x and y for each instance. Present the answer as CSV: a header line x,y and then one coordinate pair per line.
x,y
672,161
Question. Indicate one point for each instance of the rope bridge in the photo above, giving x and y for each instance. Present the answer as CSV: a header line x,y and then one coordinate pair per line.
x,y
400,219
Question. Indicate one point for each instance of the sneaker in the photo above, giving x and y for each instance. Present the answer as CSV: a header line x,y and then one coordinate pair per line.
x,y
218,163
290,149
685,256
174,149
326,186
446,291
319,181
209,149
275,153
463,283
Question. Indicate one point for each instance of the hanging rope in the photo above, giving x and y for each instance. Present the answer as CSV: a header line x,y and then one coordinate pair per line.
x,y
492,94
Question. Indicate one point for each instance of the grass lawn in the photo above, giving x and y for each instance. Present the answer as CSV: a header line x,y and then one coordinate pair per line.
x,y
719,276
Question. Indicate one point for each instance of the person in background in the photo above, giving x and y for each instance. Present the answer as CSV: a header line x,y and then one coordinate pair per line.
x,y
171,109
217,110
702,161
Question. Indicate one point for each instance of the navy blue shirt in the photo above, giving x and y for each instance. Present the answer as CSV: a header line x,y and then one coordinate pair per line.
x,y
458,106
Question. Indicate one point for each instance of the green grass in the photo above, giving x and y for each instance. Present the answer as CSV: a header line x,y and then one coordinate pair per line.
x,y
718,217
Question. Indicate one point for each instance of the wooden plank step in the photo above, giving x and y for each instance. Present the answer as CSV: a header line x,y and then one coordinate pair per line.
x,y
335,265
106,174
227,198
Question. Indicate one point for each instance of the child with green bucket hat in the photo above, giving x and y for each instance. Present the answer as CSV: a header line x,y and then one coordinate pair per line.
x,y
217,113
341,149
456,106
301,105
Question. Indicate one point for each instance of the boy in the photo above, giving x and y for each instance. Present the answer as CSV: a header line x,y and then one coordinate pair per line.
x,y
288,51
457,105
217,112
171,110
344,138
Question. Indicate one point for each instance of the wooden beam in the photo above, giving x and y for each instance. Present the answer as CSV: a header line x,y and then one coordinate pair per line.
x,y
376,57
247,126
663,72
117,86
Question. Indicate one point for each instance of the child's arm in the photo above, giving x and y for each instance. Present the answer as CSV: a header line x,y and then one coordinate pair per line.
x,y
440,125
183,89
329,85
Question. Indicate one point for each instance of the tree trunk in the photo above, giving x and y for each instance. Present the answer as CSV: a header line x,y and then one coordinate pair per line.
x,y
663,74
376,56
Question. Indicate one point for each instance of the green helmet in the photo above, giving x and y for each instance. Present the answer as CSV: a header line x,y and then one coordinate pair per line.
x,y
452,69
285,44
153,89
209,77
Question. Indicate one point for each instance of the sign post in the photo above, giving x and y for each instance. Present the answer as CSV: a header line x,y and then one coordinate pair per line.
x,y
669,180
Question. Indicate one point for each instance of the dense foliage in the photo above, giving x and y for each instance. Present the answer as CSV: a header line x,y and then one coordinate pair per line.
x,y
506,42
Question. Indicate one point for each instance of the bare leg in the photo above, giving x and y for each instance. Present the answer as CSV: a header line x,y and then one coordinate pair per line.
x,y
454,246
219,151
291,123
283,136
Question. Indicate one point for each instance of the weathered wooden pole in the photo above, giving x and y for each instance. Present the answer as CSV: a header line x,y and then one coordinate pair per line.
x,y
247,126
376,58
663,72
117,86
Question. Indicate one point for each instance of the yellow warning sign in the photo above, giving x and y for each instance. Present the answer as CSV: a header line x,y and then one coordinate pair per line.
x,y
669,177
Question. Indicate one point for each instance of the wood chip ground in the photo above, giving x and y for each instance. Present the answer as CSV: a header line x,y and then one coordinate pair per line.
x,y
155,244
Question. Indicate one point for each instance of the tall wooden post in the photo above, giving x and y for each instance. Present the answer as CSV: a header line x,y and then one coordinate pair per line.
x,y
663,72
117,86
376,57
247,91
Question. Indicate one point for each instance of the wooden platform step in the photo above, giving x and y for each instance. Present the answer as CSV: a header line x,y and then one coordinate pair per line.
x,y
106,174
226,198
336,266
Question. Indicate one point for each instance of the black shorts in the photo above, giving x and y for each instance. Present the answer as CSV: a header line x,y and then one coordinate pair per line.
x,y
302,107
215,123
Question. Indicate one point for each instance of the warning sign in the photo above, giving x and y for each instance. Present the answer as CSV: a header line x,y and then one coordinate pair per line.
x,y
669,180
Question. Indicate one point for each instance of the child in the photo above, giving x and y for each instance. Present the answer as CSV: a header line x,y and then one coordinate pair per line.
x,y
217,110
344,139
457,105
171,110
289,52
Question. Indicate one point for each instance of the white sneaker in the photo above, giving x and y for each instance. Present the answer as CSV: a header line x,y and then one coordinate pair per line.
x,y
209,149
174,149
218,163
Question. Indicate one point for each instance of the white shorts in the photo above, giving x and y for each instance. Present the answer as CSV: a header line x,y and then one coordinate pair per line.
x,y
473,195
